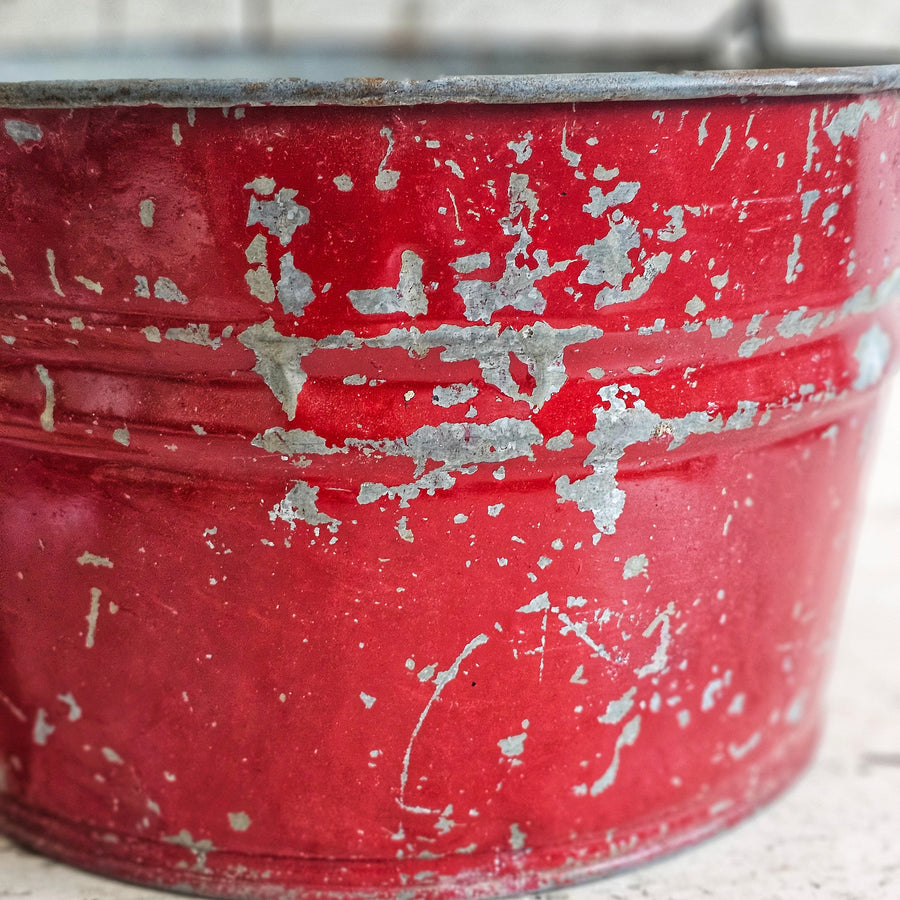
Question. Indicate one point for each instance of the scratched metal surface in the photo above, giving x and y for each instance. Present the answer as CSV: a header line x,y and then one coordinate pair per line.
x,y
496,89
521,587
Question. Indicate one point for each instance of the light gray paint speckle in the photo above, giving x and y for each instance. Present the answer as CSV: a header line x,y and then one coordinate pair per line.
x,y
261,185
281,217
807,199
166,289
624,192
872,353
517,837
146,211
194,333
54,281
616,429
562,441
719,327
522,147
49,398
513,745
91,559
75,712
460,447
121,436
675,230
608,264
42,728
256,252
739,751
94,286
408,297
91,618
294,288
796,322
634,566
516,286
387,179
616,710
793,262
111,756
23,132
847,121
829,213
259,281
453,394
465,265
299,505
294,442
278,361
627,738
694,306
239,821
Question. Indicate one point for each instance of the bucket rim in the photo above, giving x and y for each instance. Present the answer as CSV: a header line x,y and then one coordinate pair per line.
x,y
456,89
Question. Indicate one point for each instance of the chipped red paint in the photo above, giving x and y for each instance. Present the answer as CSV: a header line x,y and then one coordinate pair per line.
x,y
530,578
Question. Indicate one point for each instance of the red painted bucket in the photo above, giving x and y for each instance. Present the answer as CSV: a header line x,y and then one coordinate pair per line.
x,y
428,490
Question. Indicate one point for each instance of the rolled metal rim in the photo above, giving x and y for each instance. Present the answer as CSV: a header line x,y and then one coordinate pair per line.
x,y
487,89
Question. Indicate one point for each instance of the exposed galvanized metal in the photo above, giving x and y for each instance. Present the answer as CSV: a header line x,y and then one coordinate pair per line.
x,y
496,89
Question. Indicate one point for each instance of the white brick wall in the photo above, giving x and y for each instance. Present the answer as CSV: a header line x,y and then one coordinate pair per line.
x,y
43,23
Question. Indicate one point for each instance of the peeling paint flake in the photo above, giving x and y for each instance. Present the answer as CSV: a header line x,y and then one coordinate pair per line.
x,y
847,120
147,211
90,285
516,287
299,505
387,179
42,728
616,710
465,265
165,289
627,738
725,143
408,297
635,566
23,132
624,192
91,559
280,217
872,353
294,289
262,185
54,281
239,821
91,618
522,147
194,333
49,398
794,266
278,361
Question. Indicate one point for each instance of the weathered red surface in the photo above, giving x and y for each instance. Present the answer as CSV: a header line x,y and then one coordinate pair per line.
x,y
516,570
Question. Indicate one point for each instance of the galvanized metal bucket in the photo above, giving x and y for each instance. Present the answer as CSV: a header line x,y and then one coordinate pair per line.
x,y
428,489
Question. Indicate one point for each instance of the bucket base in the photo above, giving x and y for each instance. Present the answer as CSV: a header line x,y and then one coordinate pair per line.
x,y
221,874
